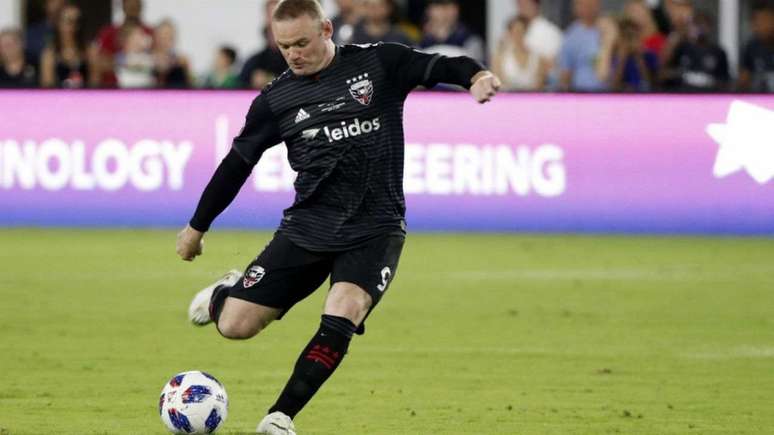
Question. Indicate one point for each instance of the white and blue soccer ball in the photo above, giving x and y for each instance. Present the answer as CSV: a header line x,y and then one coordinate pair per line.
x,y
193,403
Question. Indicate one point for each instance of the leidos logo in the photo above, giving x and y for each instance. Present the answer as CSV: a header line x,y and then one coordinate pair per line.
x,y
746,142
356,128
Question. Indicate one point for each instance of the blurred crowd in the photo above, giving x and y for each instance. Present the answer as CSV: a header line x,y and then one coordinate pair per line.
x,y
55,53
672,48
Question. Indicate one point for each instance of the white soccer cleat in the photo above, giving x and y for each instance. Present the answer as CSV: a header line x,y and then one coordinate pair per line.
x,y
199,310
276,423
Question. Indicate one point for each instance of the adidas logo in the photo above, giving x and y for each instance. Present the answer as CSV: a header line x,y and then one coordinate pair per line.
x,y
302,116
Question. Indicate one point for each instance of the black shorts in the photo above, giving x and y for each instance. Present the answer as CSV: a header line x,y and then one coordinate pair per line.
x,y
285,273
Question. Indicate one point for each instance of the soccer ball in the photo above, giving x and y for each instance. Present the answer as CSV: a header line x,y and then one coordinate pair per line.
x,y
193,403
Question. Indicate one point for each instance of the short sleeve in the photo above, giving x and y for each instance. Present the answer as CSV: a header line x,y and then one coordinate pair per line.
x,y
259,133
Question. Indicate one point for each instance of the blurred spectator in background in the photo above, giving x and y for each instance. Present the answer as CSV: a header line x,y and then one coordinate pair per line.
x,y
667,14
639,12
223,75
110,41
543,37
444,34
16,71
587,49
134,65
756,72
344,23
693,61
64,63
378,24
635,67
518,67
40,34
172,70
262,67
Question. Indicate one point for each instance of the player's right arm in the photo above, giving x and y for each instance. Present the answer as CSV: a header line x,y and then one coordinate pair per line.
x,y
259,134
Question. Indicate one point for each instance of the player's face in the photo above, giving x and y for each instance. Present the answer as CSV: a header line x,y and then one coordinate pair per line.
x,y
303,42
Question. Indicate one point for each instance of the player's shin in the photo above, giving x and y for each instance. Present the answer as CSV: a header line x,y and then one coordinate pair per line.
x,y
316,364
217,301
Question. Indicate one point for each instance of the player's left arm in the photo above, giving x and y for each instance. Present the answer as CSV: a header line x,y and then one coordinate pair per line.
x,y
484,86
410,68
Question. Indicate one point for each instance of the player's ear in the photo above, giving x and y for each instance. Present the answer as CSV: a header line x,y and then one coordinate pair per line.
x,y
327,29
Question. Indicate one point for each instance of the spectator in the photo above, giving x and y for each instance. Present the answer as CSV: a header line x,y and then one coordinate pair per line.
x,y
444,34
519,68
587,49
262,67
110,41
134,64
378,24
636,67
171,69
639,12
222,75
693,61
668,14
63,63
543,37
40,34
15,69
344,23
756,71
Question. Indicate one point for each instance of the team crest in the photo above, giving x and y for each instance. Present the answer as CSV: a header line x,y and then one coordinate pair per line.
x,y
253,275
361,89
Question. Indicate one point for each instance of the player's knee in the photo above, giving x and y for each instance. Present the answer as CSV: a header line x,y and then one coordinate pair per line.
x,y
351,304
238,329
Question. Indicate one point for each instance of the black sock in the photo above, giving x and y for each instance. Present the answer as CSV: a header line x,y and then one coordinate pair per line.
x,y
217,300
317,362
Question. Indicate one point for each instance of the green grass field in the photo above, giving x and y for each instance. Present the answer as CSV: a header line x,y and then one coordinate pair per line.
x,y
479,334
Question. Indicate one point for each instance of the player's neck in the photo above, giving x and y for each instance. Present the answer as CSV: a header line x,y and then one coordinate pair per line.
x,y
330,53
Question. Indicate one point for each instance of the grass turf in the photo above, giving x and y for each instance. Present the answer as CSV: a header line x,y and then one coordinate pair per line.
x,y
479,334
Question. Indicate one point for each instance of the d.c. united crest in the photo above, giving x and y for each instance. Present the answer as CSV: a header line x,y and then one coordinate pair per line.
x,y
361,88
253,275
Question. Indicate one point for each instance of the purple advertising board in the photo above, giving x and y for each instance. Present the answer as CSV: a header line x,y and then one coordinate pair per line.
x,y
525,162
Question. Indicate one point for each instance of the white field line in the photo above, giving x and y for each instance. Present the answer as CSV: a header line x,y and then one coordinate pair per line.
x,y
607,274
740,352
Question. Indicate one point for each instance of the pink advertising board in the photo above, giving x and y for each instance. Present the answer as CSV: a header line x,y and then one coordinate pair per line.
x,y
525,162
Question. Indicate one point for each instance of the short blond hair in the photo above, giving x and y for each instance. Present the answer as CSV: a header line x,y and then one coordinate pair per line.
x,y
291,9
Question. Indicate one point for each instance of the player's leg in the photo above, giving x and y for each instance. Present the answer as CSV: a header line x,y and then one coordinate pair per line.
x,y
360,277
234,318
277,279
241,319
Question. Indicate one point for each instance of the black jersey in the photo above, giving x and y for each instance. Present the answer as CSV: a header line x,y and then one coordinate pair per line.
x,y
343,129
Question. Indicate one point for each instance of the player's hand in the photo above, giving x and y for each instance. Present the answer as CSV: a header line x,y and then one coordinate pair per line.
x,y
485,86
189,243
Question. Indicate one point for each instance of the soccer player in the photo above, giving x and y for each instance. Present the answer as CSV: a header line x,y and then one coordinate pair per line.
x,y
339,110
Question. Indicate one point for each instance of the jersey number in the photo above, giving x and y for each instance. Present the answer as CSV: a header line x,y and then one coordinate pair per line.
x,y
385,279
